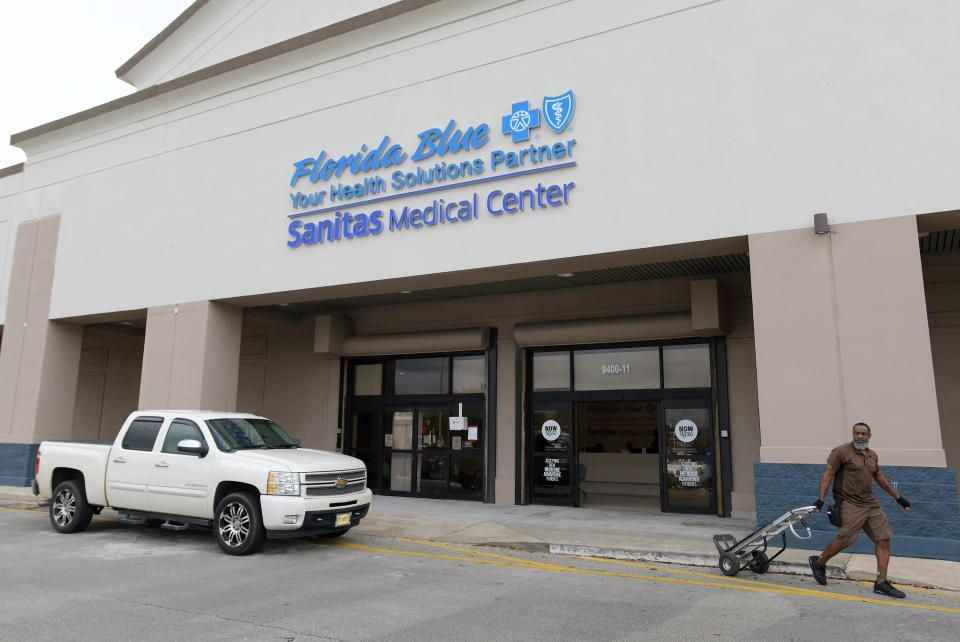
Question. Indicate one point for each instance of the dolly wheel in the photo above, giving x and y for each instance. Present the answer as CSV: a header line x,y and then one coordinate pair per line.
x,y
729,564
760,563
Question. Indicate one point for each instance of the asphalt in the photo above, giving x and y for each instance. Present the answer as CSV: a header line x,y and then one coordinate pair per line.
x,y
642,536
116,581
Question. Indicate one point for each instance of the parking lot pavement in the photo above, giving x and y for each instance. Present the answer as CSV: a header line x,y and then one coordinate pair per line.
x,y
120,582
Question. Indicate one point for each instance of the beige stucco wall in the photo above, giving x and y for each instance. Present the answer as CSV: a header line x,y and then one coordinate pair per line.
x,y
281,378
108,385
744,410
842,336
942,285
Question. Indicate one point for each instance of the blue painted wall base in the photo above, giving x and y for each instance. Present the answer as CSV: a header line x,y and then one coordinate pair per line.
x,y
16,464
931,529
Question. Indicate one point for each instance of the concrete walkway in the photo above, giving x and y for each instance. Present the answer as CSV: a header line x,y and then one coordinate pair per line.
x,y
606,532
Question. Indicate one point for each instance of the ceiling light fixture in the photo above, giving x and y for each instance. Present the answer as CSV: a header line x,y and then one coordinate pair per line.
x,y
565,275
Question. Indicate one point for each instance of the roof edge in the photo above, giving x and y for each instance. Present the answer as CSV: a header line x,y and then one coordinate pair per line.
x,y
159,38
259,55
11,170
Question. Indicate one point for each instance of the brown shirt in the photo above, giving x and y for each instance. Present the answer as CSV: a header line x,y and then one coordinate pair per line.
x,y
856,470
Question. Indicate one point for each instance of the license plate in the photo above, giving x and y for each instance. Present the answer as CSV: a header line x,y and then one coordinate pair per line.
x,y
343,519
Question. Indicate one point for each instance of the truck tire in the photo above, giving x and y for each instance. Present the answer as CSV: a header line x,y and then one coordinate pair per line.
x,y
69,510
237,524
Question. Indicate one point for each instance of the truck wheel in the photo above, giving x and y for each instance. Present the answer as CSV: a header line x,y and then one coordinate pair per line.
x,y
69,510
238,526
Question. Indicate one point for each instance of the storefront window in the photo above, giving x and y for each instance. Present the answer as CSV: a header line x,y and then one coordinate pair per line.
x,y
428,376
367,379
686,366
468,375
616,369
551,371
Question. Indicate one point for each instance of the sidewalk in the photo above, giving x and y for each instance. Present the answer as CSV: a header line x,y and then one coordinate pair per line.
x,y
621,534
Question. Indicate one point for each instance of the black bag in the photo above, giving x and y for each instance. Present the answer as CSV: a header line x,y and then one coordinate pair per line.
x,y
833,512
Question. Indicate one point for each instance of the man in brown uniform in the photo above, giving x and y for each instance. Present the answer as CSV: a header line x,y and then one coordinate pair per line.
x,y
853,467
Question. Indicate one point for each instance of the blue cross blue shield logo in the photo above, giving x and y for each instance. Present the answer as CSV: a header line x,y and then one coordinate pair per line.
x,y
520,121
557,110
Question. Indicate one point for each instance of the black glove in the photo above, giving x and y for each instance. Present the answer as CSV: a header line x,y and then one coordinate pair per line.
x,y
818,504
903,501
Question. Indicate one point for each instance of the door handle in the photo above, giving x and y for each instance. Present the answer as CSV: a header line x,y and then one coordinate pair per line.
x,y
120,460
162,464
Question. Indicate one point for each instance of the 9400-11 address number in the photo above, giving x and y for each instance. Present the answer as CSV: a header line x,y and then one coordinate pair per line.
x,y
615,368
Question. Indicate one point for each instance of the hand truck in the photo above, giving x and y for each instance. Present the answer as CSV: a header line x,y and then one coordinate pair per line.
x,y
751,551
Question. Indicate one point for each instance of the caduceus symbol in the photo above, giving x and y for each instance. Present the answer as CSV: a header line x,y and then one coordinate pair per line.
x,y
558,111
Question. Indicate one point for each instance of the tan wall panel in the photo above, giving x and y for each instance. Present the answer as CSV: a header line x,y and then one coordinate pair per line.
x,y
191,357
942,276
841,336
39,358
504,482
299,389
744,419
109,383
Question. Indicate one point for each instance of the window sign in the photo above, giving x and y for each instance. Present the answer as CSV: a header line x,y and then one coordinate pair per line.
x,y
685,430
550,430
551,472
617,369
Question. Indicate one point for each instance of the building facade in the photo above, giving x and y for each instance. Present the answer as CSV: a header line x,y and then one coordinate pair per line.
x,y
514,252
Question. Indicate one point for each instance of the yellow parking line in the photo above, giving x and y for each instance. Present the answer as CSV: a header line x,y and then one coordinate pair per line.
x,y
648,566
652,578
656,567
17,507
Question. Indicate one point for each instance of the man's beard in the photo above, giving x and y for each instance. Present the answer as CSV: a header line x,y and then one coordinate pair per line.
x,y
861,445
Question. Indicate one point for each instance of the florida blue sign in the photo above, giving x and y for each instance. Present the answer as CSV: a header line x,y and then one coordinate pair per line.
x,y
365,205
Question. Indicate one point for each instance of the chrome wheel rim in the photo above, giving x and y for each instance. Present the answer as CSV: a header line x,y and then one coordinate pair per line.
x,y
64,507
234,524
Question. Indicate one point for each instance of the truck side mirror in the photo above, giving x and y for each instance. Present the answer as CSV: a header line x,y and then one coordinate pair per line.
x,y
192,447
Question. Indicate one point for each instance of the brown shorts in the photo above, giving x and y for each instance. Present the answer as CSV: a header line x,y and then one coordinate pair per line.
x,y
871,519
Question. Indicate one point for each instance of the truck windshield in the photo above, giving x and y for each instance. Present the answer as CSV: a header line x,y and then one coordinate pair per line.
x,y
240,434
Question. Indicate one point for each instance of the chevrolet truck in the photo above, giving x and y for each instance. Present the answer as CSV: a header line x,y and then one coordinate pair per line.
x,y
240,475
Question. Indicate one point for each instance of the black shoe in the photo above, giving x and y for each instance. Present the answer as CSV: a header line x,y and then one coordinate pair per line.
x,y
886,588
819,572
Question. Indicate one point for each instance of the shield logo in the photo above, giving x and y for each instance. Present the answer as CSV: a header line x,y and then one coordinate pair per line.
x,y
557,110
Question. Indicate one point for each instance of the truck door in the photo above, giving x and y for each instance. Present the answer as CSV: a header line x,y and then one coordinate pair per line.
x,y
179,482
130,463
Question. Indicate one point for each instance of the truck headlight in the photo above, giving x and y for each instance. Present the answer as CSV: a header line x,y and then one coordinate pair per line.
x,y
283,483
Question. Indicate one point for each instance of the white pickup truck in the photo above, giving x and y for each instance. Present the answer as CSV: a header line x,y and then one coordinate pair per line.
x,y
241,475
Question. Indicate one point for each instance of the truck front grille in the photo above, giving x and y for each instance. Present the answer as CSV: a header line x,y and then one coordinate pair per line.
x,y
313,478
327,491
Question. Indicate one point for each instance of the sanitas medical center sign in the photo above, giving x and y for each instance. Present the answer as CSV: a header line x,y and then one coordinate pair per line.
x,y
368,205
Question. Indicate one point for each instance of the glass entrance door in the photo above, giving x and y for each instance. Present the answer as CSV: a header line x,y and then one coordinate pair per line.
x,y
422,456
553,468
688,458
